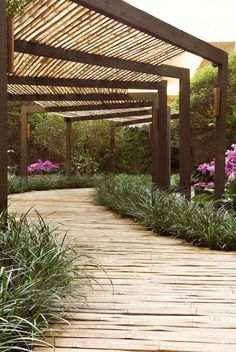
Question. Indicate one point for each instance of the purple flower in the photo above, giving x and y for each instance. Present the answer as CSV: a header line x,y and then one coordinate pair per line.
x,y
42,166
200,184
203,168
210,185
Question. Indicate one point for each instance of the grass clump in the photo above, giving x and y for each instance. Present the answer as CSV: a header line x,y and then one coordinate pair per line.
x,y
202,224
18,184
38,275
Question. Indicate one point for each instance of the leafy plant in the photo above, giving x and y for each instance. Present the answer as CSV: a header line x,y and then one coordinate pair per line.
x,y
18,184
84,165
39,276
200,223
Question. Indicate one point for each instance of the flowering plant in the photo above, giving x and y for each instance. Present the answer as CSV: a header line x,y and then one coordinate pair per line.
x,y
206,171
43,167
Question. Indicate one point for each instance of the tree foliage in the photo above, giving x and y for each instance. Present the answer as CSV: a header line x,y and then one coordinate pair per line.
x,y
16,7
202,98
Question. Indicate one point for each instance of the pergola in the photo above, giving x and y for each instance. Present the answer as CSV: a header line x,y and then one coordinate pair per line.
x,y
85,55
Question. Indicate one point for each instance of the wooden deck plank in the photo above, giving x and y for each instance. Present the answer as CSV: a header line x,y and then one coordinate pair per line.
x,y
166,295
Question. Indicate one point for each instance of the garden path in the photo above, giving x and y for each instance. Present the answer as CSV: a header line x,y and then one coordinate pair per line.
x,y
166,295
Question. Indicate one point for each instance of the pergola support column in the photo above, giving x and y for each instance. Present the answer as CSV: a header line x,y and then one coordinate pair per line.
x,y
24,143
220,131
154,138
3,107
163,147
68,147
185,135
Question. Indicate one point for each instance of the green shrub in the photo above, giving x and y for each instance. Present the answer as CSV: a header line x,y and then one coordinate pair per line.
x,y
133,150
17,184
168,213
39,276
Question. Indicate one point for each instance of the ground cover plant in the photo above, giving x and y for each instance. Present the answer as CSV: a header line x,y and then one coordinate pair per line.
x,y
38,275
18,184
165,213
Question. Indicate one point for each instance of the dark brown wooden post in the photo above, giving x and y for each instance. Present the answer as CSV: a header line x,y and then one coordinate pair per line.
x,y
68,147
154,138
10,45
112,150
163,148
220,130
3,107
185,135
24,143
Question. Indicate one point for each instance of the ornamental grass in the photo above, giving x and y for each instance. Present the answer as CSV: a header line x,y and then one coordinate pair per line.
x,y
39,275
202,224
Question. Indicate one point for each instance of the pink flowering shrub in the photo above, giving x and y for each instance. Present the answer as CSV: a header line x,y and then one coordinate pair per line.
x,y
43,167
206,171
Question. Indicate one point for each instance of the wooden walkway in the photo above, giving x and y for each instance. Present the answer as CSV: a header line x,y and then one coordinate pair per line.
x,y
166,295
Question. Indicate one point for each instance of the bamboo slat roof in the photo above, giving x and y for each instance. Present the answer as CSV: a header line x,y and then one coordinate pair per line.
x,y
26,89
66,25
82,103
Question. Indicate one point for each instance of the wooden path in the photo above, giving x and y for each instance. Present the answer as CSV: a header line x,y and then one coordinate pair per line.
x,y
166,295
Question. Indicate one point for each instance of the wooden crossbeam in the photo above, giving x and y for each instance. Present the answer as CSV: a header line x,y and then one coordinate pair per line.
x,y
68,97
110,116
134,122
94,59
146,23
102,106
74,82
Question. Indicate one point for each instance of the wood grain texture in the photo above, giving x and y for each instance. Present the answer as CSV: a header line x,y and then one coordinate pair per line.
x,y
166,295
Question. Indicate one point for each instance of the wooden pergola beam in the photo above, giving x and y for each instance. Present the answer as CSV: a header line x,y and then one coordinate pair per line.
x,y
68,97
102,106
115,115
74,82
106,116
97,60
133,122
3,108
146,23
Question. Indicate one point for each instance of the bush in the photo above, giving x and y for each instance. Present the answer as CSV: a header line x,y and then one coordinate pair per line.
x,y
38,275
133,150
168,213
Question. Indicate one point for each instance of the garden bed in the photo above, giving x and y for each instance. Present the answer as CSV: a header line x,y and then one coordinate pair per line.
x,y
201,223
